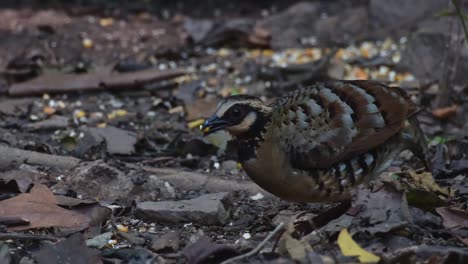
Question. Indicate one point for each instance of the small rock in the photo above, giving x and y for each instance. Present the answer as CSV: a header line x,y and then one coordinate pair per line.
x,y
15,106
169,241
283,217
229,165
118,141
396,242
289,26
99,180
207,210
336,70
343,27
99,241
198,29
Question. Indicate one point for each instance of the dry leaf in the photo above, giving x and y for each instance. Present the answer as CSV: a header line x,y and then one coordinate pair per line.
x,y
40,208
350,248
297,249
426,182
453,217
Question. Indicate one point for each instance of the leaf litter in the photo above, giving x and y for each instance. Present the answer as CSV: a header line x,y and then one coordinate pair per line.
x,y
113,124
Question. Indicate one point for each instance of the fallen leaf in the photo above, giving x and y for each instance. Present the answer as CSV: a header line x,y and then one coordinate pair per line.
x,y
204,250
297,249
445,112
426,182
70,202
424,200
456,220
40,208
349,247
453,217
97,214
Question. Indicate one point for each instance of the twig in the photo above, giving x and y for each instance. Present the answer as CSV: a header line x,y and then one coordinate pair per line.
x,y
422,250
257,249
5,236
456,3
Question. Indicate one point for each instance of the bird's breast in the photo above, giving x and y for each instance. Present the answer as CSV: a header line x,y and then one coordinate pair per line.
x,y
271,169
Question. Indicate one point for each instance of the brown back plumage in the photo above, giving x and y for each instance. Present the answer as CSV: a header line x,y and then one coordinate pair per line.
x,y
337,120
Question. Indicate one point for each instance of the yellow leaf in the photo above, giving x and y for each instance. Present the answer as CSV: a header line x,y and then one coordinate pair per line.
x,y
426,182
350,248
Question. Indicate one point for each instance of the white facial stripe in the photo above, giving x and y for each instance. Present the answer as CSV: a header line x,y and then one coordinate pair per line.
x,y
244,125
223,107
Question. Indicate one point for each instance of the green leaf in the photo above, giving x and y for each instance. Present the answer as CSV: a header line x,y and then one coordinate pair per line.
x,y
424,200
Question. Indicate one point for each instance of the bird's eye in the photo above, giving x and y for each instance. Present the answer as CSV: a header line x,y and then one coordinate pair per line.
x,y
236,112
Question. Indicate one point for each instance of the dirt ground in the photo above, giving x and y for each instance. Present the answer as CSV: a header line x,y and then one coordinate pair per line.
x,y
102,161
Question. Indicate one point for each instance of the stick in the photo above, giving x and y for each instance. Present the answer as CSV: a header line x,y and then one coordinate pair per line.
x,y
11,156
187,180
256,249
6,236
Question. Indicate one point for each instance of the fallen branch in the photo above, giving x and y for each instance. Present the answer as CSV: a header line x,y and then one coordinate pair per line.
x,y
257,249
196,181
11,156
18,236
56,82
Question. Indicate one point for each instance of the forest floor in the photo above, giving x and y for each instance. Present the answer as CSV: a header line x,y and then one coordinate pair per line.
x,y
102,161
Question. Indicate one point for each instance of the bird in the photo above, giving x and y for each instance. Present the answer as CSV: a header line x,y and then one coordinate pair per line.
x,y
320,143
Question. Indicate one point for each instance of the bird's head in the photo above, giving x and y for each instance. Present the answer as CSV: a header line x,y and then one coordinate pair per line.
x,y
243,116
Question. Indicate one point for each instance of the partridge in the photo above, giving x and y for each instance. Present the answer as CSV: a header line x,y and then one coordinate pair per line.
x,y
316,144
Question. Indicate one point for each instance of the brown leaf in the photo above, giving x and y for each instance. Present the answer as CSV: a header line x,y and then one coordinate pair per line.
x,y
41,209
453,217
202,250
445,112
97,214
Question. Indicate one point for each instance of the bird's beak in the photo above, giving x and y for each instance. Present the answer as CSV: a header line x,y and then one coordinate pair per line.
x,y
213,124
